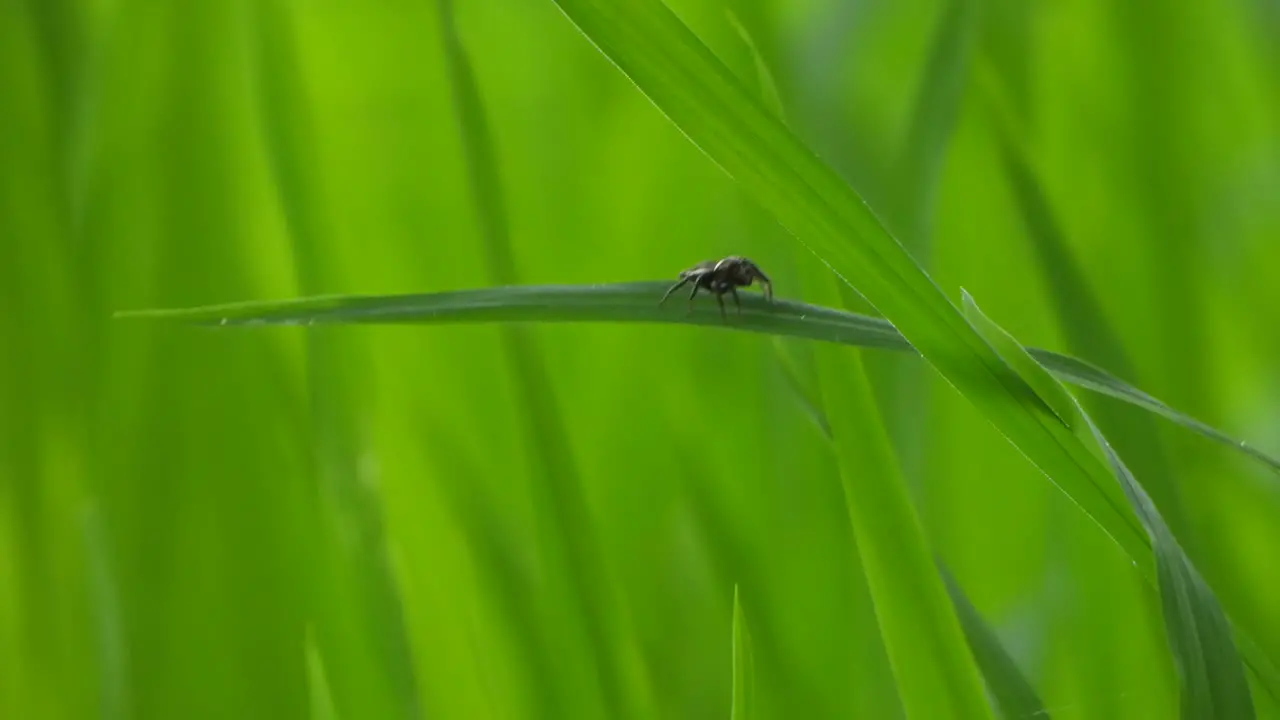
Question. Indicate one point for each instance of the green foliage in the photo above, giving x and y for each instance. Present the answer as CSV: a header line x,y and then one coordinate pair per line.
x,y
744,671
494,479
1210,671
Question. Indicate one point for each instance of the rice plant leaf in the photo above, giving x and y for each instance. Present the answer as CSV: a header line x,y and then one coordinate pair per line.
x,y
1012,691
666,61
795,359
744,680
1080,314
768,86
934,671
322,705
637,302
910,207
1047,390
685,80
933,120
569,534
370,668
1210,671
103,583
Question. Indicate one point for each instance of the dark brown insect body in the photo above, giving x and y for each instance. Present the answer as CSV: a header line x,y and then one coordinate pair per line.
x,y
720,277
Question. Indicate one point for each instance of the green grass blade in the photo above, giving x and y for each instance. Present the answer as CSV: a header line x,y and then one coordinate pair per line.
x,y
938,97
113,666
795,359
1088,331
1210,669
912,206
744,681
1012,691
1209,666
685,80
572,549
506,581
935,674
764,76
359,618
1054,396
933,671
322,704
933,120
637,302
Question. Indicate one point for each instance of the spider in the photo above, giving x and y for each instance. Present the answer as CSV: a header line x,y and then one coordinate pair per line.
x,y
720,277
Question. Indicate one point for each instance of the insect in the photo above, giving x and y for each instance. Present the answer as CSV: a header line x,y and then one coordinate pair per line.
x,y
720,277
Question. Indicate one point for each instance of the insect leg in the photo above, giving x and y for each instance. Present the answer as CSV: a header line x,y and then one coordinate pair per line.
x,y
720,299
691,295
758,274
672,289
736,300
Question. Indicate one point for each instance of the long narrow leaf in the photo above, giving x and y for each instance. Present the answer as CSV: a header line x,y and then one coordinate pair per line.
x,y
568,531
1210,670
702,97
1014,694
934,670
940,90
370,659
637,302
1087,329
685,80
1200,637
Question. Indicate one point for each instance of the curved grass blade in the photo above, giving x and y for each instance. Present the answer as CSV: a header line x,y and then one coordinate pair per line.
x,y
637,302
934,670
1054,396
363,634
911,207
685,80
1210,671
935,673
1013,693
668,63
934,116
768,86
1080,313
569,534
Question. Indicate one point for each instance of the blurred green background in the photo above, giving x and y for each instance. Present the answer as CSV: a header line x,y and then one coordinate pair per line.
x,y
550,521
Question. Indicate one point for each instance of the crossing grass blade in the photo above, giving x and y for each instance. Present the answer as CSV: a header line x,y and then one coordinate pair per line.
x,y
685,80
1080,313
934,114
360,625
1012,691
939,95
934,671
912,204
636,302
1053,396
570,542
1210,670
